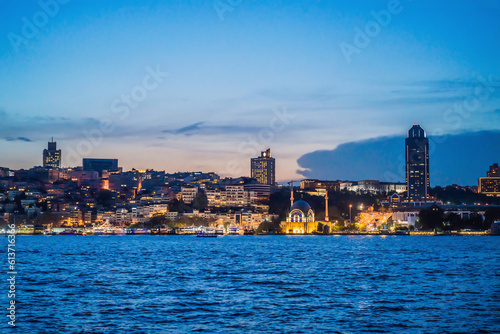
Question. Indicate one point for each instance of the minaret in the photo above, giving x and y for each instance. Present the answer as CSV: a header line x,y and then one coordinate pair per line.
x,y
326,207
291,194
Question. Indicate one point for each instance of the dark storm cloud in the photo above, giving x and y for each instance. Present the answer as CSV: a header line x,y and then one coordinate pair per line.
x,y
460,159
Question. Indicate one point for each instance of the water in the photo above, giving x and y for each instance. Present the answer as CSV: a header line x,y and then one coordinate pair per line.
x,y
259,284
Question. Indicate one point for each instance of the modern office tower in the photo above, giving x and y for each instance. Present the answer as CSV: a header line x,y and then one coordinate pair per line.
x,y
417,164
52,156
490,185
263,168
100,165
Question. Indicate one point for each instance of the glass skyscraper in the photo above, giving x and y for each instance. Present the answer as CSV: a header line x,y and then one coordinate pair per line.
x,y
417,164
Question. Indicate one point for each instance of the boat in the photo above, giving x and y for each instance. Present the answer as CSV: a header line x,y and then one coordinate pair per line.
x,y
248,232
118,231
66,232
206,235
141,231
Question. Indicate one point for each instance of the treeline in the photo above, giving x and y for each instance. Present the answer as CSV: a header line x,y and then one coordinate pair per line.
x,y
459,196
434,218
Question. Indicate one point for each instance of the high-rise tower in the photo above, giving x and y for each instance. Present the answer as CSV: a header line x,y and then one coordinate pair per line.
x,y
263,168
52,156
417,164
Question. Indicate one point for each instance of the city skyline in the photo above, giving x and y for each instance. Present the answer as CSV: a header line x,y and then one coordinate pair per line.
x,y
51,158
272,166
447,82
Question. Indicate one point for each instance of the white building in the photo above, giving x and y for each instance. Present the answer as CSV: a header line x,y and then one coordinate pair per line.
x,y
373,186
188,194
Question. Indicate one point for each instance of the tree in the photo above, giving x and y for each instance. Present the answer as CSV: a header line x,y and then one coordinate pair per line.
x,y
431,218
491,215
453,222
320,227
190,221
104,198
200,201
178,206
269,227
48,218
158,220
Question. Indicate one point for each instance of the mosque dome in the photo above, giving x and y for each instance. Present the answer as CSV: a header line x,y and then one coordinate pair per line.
x,y
302,206
301,212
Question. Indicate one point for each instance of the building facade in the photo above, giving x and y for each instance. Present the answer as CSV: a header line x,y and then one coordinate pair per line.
x,y
319,184
52,156
417,164
100,165
490,185
263,168
373,187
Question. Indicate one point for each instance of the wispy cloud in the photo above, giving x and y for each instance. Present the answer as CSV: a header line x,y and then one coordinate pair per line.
x,y
186,129
18,139
202,128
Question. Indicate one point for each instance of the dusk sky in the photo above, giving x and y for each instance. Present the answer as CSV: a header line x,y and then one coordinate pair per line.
x,y
232,69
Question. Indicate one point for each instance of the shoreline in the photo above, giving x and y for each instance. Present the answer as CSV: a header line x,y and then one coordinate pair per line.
x,y
422,234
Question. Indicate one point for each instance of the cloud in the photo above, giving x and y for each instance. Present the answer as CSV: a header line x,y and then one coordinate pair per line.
x,y
190,128
202,129
459,159
19,127
18,139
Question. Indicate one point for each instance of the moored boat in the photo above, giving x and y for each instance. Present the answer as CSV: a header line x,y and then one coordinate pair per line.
x,y
206,235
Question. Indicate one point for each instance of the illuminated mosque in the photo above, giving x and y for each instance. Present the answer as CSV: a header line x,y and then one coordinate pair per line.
x,y
301,220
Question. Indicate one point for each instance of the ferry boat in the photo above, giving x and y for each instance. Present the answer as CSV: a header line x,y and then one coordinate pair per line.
x,y
66,232
206,235
141,231
233,230
118,231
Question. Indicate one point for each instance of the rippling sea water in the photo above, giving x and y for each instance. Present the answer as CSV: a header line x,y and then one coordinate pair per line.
x,y
256,284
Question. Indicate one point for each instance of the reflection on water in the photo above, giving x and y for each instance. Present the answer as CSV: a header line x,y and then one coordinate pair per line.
x,y
269,284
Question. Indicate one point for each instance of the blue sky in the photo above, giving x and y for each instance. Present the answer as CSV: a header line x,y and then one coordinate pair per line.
x,y
230,74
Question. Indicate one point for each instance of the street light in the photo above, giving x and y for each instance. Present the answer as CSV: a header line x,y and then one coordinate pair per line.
x,y
350,220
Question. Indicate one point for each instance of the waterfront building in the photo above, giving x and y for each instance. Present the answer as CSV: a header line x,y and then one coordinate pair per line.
x,y
301,219
490,185
417,164
263,168
52,156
